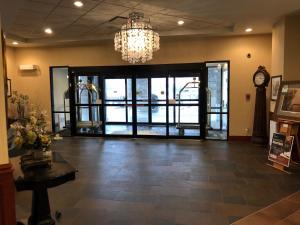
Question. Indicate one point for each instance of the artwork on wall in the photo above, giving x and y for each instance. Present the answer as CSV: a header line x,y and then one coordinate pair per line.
x,y
9,93
281,148
288,102
275,85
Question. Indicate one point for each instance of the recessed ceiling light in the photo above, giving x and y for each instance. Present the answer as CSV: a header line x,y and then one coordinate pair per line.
x,y
180,22
48,30
78,4
15,43
248,30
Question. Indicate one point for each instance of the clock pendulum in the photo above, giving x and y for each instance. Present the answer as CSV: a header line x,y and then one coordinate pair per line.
x,y
261,79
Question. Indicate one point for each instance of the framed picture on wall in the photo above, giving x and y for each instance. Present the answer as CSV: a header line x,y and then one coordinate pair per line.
x,y
288,102
9,94
275,85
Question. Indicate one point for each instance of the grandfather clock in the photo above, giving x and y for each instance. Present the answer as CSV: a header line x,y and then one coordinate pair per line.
x,y
261,79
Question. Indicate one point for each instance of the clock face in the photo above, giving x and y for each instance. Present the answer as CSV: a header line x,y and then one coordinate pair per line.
x,y
259,79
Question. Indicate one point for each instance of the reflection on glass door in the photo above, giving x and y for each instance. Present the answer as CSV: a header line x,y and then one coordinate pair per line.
x,y
118,106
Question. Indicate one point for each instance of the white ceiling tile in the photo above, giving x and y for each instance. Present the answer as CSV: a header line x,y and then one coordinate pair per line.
x,y
37,6
211,16
49,2
86,4
108,9
125,3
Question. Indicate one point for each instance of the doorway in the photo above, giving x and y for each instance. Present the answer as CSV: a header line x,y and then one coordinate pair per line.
x,y
165,101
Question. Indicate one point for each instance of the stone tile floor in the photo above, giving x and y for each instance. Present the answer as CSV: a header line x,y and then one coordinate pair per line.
x,y
283,212
163,182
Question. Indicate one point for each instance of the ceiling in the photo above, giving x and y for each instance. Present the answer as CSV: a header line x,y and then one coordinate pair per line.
x,y
25,20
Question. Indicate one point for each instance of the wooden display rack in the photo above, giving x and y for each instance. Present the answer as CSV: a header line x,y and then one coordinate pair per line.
x,y
289,128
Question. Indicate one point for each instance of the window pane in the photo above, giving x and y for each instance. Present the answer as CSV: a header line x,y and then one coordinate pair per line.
x,y
115,89
129,113
158,92
213,121
188,114
214,130
225,89
115,102
214,88
87,90
151,130
159,114
142,89
115,113
88,119
88,113
129,89
118,129
62,123
184,131
191,92
142,114
171,114
224,122
171,88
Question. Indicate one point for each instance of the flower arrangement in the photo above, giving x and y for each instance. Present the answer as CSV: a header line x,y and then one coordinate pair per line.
x,y
30,128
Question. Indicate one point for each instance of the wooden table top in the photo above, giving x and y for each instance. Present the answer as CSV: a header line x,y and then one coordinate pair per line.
x,y
60,172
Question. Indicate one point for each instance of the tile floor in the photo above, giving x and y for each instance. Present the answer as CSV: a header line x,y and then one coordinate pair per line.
x,y
163,182
283,212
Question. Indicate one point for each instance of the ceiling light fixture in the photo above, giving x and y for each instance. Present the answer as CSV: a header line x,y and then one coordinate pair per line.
x,y
15,43
48,31
137,40
78,4
248,30
180,22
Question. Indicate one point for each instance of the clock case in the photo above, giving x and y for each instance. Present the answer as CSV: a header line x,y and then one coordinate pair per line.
x,y
260,134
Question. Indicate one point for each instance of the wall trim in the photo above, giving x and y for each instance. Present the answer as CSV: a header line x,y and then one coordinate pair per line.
x,y
7,196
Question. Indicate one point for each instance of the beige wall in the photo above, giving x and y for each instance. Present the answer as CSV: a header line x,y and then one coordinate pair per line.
x,y
3,133
173,50
292,48
286,48
278,35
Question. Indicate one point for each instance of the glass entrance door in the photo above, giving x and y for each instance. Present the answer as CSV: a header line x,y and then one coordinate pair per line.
x,y
169,106
151,109
88,105
118,106
184,106
217,100
138,106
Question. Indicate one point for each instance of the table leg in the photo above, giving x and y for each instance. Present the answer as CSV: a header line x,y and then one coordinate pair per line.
x,y
40,211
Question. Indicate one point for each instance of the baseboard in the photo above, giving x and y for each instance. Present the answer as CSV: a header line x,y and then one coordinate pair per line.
x,y
239,138
7,196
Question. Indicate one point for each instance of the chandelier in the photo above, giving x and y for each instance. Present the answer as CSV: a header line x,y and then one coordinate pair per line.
x,y
136,41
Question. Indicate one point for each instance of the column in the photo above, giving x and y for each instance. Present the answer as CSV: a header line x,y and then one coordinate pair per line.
x,y
7,190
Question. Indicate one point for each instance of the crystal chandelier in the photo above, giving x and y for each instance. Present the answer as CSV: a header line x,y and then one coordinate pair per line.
x,y
136,41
